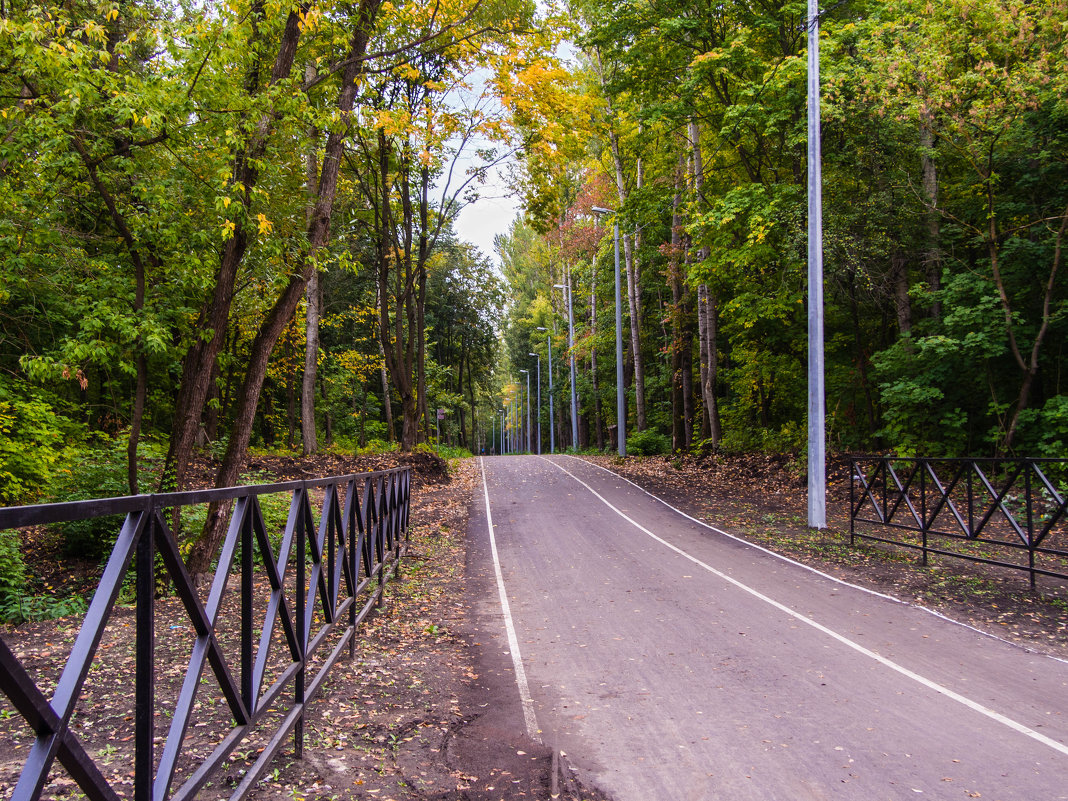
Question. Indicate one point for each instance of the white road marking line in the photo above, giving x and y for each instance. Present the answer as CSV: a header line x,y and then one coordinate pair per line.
x,y
904,671
815,570
513,641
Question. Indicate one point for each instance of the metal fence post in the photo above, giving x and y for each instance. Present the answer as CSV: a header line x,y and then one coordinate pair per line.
x,y
852,500
351,501
299,682
145,670
921,465
1030,523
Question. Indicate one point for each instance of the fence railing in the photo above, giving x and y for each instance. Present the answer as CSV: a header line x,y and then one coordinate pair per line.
x,y
319,578
1006,512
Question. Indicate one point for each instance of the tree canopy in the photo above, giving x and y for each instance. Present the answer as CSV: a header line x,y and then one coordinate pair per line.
x,y
231,226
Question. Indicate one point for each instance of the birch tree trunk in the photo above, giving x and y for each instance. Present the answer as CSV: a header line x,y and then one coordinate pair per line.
x,y
933,257
308,435
706,311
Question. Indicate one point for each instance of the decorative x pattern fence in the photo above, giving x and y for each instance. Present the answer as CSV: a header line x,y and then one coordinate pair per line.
x,y
1006,512
313,585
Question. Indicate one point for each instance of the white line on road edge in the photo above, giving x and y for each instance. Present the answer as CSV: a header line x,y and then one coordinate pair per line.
x,y
513,641
817,571
904,671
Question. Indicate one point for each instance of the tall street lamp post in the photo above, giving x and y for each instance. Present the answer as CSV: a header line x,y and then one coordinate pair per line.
x,y
527,374
817,479
538,357
552,422
621,399
571,347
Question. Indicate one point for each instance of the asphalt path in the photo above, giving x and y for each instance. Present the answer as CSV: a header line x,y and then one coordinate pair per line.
x,y
668,660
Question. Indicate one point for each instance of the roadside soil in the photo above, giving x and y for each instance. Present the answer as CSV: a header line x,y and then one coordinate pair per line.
x,y
403,719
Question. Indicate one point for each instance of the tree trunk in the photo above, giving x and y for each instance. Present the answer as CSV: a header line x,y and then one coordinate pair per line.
x,y
630,246
420,295
1028,366
395,340
311,362
597,426
675,279
212,413
387,401
308,434
285,306
133,248
291,405
899,278
707,310
933,257
199,361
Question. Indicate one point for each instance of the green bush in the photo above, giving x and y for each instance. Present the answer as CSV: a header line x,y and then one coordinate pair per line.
x,y
12,570
377,446
17,607
31,444
648,443
453,452
98,471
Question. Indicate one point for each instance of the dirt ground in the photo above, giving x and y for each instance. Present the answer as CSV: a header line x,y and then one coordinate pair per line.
x,y
401,720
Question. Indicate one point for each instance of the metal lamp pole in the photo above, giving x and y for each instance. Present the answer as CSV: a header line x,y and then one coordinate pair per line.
x,y
527,374
817,479
571,347
538,357
621,398
552,422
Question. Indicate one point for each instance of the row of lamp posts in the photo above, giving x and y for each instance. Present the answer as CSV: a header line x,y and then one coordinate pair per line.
x,y
621,403
817,487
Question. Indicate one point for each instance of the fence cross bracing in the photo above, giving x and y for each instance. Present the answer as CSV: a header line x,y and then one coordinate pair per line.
x,y
983,510
322,579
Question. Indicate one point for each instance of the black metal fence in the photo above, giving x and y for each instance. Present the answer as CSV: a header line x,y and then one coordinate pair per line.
x,y
1006,512
314,585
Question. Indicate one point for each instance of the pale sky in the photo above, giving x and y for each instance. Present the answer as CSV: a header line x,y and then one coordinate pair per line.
x,y
490,215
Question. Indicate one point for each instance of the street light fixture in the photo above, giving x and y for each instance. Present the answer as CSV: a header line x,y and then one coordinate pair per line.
x,y
571,347
538,357
527,374
621,400
817,479
552,422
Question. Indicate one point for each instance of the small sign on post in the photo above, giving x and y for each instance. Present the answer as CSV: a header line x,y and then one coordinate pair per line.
x,y
441,414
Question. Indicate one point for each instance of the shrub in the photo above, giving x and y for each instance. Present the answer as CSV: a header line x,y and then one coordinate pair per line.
x,y
31,443
12,570
453,452
99,471
648,443
15,606
377,446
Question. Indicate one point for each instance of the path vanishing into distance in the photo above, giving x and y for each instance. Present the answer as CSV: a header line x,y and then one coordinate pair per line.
x,y
668,660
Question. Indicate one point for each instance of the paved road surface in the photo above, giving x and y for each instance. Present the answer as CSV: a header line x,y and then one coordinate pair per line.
x,y
672,662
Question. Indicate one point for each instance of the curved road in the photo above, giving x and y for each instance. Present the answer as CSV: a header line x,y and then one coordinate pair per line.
x,y
671,661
